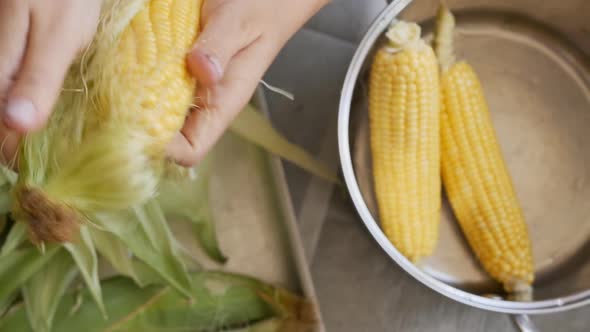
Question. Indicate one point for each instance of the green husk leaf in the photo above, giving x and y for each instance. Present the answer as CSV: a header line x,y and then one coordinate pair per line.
x,y
222,303
19,265
211,311
154,224
160,251
43,292
7,302
284,303
16,237
8,176
189,199
147,275
205,229
256,128
122,297
270,325
115,252
84,254
7,180
5,226
278,325
5,200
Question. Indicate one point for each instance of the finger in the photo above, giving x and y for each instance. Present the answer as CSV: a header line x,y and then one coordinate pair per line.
x,y
204,126
48,55
227,30
14,26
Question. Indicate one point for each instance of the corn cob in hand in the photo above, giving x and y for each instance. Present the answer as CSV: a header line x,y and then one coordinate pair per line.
x,y
404,128
474,174
107,144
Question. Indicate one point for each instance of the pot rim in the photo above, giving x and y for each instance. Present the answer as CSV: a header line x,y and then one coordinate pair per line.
x,y
376,29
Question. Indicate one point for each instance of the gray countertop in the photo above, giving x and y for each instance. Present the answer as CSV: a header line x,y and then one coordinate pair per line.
x,y
359,287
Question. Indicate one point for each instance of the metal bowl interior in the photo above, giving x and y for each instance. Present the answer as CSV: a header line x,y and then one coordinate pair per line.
x,y
534,63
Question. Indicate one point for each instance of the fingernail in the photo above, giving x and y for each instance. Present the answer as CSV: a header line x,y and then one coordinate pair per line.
x,y
20,112
215,65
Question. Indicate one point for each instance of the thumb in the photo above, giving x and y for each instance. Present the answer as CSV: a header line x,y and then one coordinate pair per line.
x,y
226,31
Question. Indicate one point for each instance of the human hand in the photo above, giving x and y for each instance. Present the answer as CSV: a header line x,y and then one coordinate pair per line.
x,y
238,42
38,41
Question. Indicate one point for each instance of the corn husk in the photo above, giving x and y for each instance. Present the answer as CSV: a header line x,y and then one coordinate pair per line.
x,y
188,200
16,236
95,155
44,290
253,126
19,266
123,238
84,254
88,192
226,301
145,232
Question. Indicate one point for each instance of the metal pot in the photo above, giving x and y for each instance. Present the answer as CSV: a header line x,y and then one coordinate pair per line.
x,y
533,58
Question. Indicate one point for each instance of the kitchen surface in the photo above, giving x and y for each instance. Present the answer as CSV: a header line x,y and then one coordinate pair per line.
x,y
359,287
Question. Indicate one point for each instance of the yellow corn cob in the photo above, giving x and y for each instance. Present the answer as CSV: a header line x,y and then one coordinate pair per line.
x,y
404,128
149,85
137,93
474,174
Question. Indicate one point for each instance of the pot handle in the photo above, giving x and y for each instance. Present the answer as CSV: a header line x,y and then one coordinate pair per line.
x,y
524,323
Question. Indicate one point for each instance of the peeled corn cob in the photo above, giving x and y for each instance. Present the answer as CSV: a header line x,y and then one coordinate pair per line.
x,y
107,144
404,128
474,174
153,88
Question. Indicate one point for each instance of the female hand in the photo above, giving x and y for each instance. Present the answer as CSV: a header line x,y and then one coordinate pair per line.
x,y
38,41
238,42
